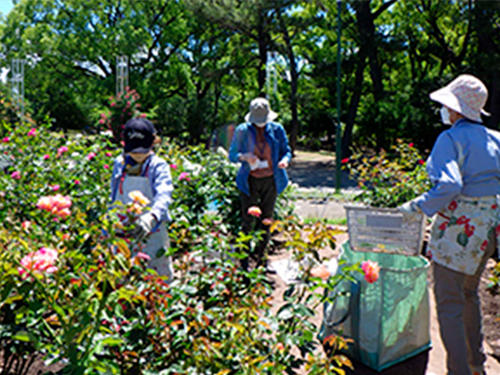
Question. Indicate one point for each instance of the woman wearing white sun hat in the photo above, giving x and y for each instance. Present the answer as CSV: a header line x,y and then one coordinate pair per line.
x,y
464,168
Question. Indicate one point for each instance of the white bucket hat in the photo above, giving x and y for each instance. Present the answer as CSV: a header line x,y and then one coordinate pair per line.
x,y
466,95
260,112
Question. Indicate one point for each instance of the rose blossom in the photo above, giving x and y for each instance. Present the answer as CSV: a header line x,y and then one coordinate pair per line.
x,y
254,211
138,197
371,270
184,176
41,261
57,204
62,150
91,155
16,175
46,156
32,132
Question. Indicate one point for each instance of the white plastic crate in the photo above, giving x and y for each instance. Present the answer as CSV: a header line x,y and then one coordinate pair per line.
x,y
384,230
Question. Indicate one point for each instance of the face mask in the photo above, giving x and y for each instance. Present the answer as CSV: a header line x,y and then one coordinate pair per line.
x,y
445,115
260,124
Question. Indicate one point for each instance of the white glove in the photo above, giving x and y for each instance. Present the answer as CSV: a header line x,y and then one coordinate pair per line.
x,y
410,210
144,225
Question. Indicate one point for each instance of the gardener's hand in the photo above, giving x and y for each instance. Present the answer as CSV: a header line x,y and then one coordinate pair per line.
x,y
144,225
283,164
249,158
410,210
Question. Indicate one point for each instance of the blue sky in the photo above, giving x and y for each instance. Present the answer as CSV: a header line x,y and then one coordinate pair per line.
x,y
6,6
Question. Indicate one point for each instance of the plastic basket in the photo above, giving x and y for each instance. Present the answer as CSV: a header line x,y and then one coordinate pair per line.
x,y
384,230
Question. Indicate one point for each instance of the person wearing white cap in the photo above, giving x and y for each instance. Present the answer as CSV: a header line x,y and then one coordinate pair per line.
x,y
464,168
261,146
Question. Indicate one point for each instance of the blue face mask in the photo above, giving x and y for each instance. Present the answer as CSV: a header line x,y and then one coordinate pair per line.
x,y
445,116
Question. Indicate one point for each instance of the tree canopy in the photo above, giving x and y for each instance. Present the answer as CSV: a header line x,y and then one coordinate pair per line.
x,y
196,64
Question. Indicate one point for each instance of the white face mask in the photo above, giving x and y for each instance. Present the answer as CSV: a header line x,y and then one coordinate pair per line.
x,y
260,124
445,115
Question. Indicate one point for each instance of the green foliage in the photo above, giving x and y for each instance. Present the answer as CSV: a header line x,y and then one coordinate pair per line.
x,y
122,108
389,179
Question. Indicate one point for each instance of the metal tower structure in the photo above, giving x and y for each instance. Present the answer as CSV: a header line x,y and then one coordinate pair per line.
x,y
121,74
17,80
271,74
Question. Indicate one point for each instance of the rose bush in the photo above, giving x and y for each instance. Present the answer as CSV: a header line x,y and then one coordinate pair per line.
x,y
389,179
74,291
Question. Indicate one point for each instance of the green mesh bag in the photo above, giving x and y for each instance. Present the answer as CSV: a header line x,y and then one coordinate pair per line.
x,y
389,319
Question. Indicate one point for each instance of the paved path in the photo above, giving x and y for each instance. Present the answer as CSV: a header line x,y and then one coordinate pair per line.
x,y
318,173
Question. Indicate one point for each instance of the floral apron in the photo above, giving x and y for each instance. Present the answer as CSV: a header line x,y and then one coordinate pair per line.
x,y
461,231
157,242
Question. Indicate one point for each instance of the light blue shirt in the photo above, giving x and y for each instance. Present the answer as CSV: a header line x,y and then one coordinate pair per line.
x,y
465,160
157,171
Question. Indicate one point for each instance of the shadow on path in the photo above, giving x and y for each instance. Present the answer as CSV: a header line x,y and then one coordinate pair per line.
x,y
315,171
414,366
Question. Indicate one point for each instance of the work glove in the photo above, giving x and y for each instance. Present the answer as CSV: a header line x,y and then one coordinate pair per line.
x,y
410,210
144,225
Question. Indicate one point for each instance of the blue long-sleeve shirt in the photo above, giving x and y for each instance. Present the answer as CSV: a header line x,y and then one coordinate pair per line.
x,y
465,160
244,140
158,173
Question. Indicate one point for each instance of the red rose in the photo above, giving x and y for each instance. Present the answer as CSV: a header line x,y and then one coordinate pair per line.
x,y
462,220
443,225
494,206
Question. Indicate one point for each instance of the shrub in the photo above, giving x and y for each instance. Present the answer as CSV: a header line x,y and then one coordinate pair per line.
x,y
389,179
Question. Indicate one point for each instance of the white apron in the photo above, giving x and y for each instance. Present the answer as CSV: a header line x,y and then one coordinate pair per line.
x,y
156,242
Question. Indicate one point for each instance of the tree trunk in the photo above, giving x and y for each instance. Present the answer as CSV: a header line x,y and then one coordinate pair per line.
x,y
293,84
353,104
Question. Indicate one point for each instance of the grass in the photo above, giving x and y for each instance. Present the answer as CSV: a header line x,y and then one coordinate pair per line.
x,y
337,221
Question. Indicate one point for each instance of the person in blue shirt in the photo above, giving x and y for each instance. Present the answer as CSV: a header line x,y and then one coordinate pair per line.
x,y
261,146
140,169
464,168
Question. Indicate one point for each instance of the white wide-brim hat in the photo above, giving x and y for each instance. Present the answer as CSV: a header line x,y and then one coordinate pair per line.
x,y
260,112
466,95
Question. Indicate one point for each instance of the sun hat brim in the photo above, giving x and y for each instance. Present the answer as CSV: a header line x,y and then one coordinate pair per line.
x,y
271,115
445,97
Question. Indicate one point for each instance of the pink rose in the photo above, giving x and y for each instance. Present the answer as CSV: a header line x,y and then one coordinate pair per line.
x,y
46,156
105,166
58,205
254,211
62,150
101,121
173,166
55,187
109,154
77,182
91,156
142,255
26,225
16,175
371,270
184,176
39,262
32,132
410,144
6,140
